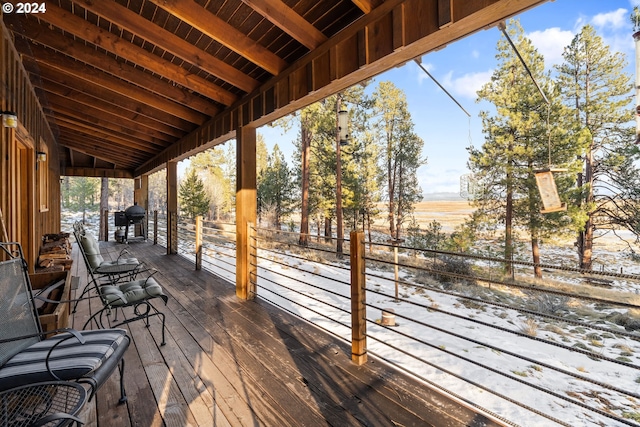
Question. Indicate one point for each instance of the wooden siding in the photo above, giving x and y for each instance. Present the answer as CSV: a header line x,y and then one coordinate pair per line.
x,y
26,216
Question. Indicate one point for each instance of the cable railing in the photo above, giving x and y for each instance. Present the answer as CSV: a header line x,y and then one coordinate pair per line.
x,y
558,350
551,351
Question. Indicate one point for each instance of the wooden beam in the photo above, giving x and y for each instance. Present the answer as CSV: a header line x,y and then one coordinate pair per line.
x,y
96,118
84,92
367,5
285,18
139,26
246,211
97,172
45,36
379,39
208,23
95,77
79,27
82,102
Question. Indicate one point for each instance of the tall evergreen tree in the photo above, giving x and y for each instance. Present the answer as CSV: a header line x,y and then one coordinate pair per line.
x,y
401,154
193,198
596,88
519,139
275,192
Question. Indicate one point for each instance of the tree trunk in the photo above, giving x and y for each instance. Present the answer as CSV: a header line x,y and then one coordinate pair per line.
x,y
327,229
508,224
104,206
304,210
339,225
535,251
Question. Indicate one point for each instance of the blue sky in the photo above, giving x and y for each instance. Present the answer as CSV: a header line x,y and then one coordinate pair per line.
x,y
464,66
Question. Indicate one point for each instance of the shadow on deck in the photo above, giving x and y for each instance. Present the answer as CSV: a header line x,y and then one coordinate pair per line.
x,y
229,362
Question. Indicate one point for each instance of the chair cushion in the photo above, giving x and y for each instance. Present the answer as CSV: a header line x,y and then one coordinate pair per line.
x,y
70,360
92,251
123,294
123,265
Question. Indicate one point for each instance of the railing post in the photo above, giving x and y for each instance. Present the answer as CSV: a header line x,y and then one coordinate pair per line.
x,y
155,227
358,299
199,242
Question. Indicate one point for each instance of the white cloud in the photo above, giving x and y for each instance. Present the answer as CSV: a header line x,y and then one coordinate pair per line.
x,y
468,84
551,43
616,19
422,76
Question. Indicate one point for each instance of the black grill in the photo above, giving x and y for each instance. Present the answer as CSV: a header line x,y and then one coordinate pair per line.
x,y
132,215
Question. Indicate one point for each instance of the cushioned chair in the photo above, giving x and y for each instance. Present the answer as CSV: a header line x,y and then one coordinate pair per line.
x,y
124,268
118,293
27,357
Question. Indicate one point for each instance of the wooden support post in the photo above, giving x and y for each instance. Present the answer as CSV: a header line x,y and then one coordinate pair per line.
x,y
246,210
141,197
358,299
199,242
105,230
172,208
155,227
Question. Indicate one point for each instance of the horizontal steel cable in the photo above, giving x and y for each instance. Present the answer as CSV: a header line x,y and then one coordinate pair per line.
x,y
506,375
302,305
295,279
509,284
341,267
480,322
328,251
333,279
510,307
510,353
515,262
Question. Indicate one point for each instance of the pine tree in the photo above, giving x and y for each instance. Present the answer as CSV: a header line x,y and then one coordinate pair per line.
x,y
401,153
275,192
519,139
598,91
193,198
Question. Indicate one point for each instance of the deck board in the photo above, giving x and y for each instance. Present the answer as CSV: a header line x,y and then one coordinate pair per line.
x,y
229,362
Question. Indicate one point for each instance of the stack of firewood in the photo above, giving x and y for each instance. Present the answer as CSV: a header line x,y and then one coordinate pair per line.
x,y
55,253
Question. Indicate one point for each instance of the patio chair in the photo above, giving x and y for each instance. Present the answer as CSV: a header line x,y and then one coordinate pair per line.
x,y
121,294
123,268
26,357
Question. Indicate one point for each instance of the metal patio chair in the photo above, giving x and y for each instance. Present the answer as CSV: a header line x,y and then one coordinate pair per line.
x,y
27,357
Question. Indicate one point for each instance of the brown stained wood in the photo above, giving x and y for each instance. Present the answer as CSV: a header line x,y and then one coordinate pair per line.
x,y
116,85
445,13
260,365
82,92
168,41
289,21
79,27
208,23
65,45
171,404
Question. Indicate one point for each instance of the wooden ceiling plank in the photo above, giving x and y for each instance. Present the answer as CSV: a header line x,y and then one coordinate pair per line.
x,y
102,120
83,29
96,77
74,123
96,150
112,139
93,93
279,14
214,27
55,40
84,102
168,41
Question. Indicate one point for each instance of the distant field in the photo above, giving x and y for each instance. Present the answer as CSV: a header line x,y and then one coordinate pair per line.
x,y
448,213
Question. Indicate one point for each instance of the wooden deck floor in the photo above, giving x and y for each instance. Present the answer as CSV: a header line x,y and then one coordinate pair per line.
x,y
229,362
